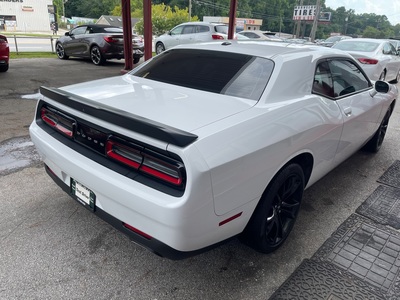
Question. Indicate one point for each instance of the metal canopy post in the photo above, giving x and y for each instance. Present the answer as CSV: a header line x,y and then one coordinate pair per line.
x,y
127,28
232,19
148,31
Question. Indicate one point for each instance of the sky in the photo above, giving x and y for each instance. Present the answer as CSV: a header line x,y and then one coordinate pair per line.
x,y
390,8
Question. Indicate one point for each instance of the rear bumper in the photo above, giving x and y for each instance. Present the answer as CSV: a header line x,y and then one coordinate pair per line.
x,y
151,244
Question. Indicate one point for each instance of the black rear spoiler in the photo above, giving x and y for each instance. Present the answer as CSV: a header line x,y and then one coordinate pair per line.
x,y
121,118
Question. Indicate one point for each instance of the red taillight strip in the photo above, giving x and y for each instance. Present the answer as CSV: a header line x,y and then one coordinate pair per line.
x,y
125,155
217,37
145,235
368,61
55,120
110,39
161,175
230,219
150,164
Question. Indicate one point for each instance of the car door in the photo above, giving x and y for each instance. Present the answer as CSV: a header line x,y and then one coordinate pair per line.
x,y
174,37
360,111
203,33
188,35
75,45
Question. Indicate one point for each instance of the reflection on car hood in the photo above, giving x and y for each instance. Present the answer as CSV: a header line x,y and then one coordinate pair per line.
x,y
179,107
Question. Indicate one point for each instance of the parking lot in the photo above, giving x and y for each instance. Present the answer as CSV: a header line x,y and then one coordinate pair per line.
x,y
53,248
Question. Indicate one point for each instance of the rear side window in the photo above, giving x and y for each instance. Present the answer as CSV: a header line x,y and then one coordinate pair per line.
x,y
233,74
221,29
201,28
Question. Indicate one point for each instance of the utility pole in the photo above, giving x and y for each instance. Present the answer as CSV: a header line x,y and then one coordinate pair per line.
x,y
315,23
299,23
190,9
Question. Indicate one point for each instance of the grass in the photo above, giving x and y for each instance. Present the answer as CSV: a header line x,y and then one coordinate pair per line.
x,y
14,55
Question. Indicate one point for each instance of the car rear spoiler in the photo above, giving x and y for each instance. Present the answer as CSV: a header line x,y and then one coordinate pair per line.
x,y
121,118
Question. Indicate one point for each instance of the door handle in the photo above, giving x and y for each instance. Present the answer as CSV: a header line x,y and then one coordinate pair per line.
x,y
347,111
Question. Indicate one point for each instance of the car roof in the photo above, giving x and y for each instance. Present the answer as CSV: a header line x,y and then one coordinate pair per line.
x,y
267,49
200,23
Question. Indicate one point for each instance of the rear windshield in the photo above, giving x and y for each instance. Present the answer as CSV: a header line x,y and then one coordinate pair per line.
x,y
112,30
357,46
233,74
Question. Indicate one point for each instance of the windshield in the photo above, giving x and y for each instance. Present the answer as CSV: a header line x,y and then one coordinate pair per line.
x,y
233,74
333,39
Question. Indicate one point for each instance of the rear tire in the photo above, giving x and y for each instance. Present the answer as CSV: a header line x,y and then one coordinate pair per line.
x,y
374,145
276,212
96,56
136,60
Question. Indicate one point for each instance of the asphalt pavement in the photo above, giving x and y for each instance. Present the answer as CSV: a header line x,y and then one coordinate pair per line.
x,y
53,248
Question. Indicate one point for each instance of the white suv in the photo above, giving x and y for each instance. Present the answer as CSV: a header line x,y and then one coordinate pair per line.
x,y
189,33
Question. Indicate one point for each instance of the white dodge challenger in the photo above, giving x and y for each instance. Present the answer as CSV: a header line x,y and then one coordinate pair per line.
x,y
206,142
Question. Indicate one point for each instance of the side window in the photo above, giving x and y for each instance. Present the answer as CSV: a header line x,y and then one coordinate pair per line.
x,y
79,30
177,30
387,48
188,29
323,84
201,28
347,78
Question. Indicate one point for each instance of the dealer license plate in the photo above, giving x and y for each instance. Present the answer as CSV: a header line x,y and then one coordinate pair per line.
x,y
83,194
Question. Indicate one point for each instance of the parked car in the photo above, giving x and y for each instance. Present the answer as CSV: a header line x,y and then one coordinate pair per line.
x,y
395,43
378,58
4,53
189,33
97,42
208,141
260,35
331,41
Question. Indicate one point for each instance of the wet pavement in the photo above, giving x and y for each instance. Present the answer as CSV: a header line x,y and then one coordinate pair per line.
x,y
16,154
344,244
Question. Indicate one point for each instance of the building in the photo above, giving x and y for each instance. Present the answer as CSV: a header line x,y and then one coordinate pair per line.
x,y
115,21
26,15
241,23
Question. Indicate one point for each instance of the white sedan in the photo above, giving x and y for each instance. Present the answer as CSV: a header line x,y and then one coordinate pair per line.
x,y
206,142
379,58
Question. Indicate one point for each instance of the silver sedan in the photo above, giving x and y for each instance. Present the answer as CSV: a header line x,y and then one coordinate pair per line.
x,y
378,58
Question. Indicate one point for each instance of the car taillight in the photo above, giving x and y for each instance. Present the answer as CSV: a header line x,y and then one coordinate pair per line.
x,y
148,162
127,155
110,39
58,121
368,61
217,37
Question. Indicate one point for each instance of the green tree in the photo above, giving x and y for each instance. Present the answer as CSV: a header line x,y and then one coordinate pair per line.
x,y
164,18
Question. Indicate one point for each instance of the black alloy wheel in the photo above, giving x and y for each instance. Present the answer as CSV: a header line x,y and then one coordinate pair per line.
x,y
276,213
377,140
96,56
60,51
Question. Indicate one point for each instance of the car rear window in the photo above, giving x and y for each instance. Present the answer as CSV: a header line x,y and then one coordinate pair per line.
x,y
357,46
112,30
233,74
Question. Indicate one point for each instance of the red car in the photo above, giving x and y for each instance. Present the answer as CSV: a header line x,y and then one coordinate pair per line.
x,y
4,53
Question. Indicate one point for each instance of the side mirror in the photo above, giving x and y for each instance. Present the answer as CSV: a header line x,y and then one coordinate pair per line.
x,y
382,86
67,33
